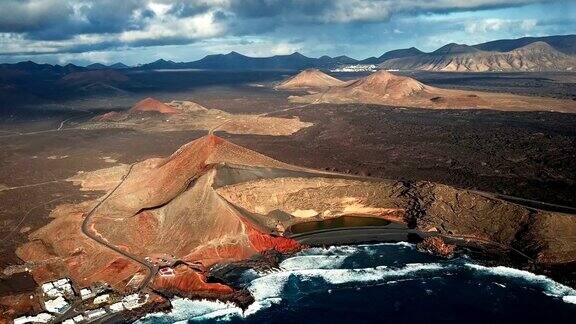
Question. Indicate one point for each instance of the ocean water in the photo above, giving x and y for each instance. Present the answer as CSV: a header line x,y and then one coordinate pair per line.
x,y
388,282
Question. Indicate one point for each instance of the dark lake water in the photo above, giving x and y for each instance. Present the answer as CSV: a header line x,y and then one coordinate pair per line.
x,y
386,282
339,222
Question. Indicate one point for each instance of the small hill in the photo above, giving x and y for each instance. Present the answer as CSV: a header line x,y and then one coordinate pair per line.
x,y
387,85
379,87
108,116
310,79
385,88
153,105
187,106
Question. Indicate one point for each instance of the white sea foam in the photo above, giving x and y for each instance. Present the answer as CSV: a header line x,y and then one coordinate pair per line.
x,y
549,286
302,262
345,250
272,285
184,309
351,249
569,299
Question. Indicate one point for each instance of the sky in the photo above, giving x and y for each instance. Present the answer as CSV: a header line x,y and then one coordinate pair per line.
x,y
142,31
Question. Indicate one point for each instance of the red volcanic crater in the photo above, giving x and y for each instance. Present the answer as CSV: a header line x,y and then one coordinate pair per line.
x,y
151,104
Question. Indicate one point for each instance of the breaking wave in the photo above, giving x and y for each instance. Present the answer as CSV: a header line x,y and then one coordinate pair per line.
x,y
319,270
549,286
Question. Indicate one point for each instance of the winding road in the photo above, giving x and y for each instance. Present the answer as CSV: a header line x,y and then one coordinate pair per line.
x,y
152,269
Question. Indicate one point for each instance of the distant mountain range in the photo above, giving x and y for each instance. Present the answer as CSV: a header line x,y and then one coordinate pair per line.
x,y
32,67
551,53
534,56
392,55
237,61
99,66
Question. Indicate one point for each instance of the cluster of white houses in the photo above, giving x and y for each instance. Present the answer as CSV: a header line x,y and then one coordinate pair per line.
x,y
58,296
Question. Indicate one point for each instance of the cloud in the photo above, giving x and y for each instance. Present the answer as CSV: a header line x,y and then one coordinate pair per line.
x,y
22,16
495,24
358,10
166,29
76,26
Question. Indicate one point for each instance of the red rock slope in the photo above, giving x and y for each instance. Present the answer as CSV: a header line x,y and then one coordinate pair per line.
x,y
151,104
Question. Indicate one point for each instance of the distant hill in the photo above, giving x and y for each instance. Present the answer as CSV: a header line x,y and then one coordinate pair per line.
x,y
502,55
405,52
535,56
455,49
237,61
565,44
32,67
550,53
100,66
96,66
161,64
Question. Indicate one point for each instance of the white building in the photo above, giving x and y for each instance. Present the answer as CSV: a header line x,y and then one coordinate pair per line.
x,y
101,299
65,286
58,288
78,318
58,305
69,321
133,301
96,313
356,68
40,318
86,293
46,287
117,307
61,282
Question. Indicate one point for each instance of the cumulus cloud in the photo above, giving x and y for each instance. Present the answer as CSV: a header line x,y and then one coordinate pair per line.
x,y
495,24
74,26
165,28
